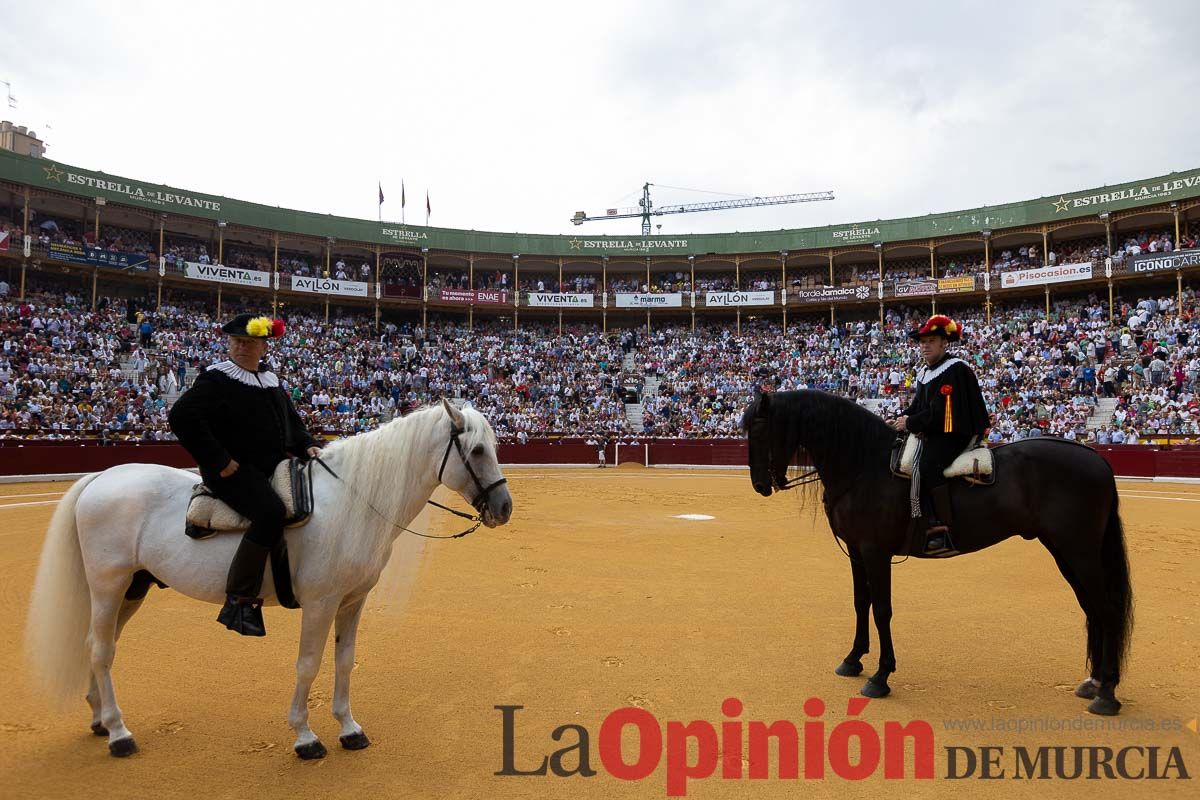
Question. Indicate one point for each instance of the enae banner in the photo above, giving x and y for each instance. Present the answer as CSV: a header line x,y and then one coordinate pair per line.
x,y
467,296
639,300
558,300
1060,273
739,298
219,273
1156,262
329,286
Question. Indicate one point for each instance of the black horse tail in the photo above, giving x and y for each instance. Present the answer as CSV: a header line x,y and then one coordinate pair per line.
x,y
1118,593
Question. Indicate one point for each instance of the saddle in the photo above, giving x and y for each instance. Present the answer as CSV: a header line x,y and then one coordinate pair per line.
x,y
292,481
976,465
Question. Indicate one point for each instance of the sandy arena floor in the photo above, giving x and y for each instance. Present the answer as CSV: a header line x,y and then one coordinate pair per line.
x,y
595,597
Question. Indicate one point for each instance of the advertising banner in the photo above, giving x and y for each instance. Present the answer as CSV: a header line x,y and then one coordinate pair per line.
x,y
828,294
559,300
1060,273
329,286
467,296
1156,262
739,298
914,288
95,256
674,300
965,283
219,273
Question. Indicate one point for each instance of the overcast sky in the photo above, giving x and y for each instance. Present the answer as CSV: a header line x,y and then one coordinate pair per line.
x,y
515,115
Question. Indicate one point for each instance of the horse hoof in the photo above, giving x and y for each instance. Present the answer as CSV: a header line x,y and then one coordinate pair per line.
x,y
312,750
1105,706
848,669
354,741
99,730
1087,690
123,747
876,690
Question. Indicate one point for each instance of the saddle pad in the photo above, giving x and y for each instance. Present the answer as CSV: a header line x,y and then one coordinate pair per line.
x,y
974,464
291,481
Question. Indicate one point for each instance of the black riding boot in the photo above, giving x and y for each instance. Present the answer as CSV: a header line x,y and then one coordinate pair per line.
x,y
937,536
242,611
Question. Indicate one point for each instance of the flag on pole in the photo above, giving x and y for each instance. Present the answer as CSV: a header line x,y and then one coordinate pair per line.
x,y
403,201
427,209
381,193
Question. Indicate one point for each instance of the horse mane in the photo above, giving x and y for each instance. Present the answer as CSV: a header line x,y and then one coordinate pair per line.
x,y
838,435
390,468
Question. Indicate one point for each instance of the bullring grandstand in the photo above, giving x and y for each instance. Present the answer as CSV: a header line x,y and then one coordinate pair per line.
x,y
1080,312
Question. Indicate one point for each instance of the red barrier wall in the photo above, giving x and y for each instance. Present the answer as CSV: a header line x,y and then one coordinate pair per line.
x,y
20,457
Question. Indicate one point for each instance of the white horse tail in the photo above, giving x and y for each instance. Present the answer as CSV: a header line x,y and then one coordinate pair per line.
x,y
60,608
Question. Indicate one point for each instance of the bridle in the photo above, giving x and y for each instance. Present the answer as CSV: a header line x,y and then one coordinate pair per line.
x,y
485,492
478,503
757,429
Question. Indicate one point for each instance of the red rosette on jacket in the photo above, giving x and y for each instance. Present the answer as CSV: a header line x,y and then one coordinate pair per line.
x,y
277,328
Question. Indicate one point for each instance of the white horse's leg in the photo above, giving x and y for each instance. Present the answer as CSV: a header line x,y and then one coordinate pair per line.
x,y
314,631
345,632
128,609
102,640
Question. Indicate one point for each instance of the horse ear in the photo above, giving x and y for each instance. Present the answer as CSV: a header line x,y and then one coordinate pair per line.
x,y
764,403
456,416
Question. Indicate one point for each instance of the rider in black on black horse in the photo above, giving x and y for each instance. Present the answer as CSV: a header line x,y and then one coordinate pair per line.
x,y
238,423
946,413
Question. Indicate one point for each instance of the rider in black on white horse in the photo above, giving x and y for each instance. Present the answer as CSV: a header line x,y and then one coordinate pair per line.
x,y
239,423
946,412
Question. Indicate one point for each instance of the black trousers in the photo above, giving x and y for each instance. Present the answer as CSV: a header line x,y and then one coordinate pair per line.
x,y
937,451
249,492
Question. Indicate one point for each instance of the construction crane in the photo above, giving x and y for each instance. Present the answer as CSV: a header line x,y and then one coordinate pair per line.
x,y
646,208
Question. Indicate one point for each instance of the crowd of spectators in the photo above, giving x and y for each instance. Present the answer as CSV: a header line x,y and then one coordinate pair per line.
x,y
67,370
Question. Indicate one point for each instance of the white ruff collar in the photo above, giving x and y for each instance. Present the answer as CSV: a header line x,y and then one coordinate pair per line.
x,y
925,374
259,380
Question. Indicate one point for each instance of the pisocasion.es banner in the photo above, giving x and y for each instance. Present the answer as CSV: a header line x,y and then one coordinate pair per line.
x,y
1060,273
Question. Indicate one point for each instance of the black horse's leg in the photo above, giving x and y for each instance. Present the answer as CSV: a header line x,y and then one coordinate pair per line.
x,y
1095,631
852,664
878,567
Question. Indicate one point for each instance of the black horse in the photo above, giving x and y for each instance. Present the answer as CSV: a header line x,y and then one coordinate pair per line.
x,y
1059,492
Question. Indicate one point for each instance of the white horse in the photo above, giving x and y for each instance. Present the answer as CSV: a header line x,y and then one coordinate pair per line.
x,y
130,519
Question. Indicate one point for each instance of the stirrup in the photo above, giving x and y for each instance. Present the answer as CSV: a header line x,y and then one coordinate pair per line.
x,y
937,539
243,615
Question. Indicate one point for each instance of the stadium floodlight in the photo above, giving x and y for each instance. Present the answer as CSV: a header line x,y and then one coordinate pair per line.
x,y
691,258
879,245
516,256
424,249
1104,216
986,233
783,254
220,223
1174,205
101,201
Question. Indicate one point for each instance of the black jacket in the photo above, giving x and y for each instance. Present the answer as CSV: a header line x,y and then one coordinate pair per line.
x,y
968,413
221,418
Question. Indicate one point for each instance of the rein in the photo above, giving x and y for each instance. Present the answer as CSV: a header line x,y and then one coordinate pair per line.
x,y
480,499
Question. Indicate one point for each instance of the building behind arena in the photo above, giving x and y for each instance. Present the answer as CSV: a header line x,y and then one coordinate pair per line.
x,y
1089,260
